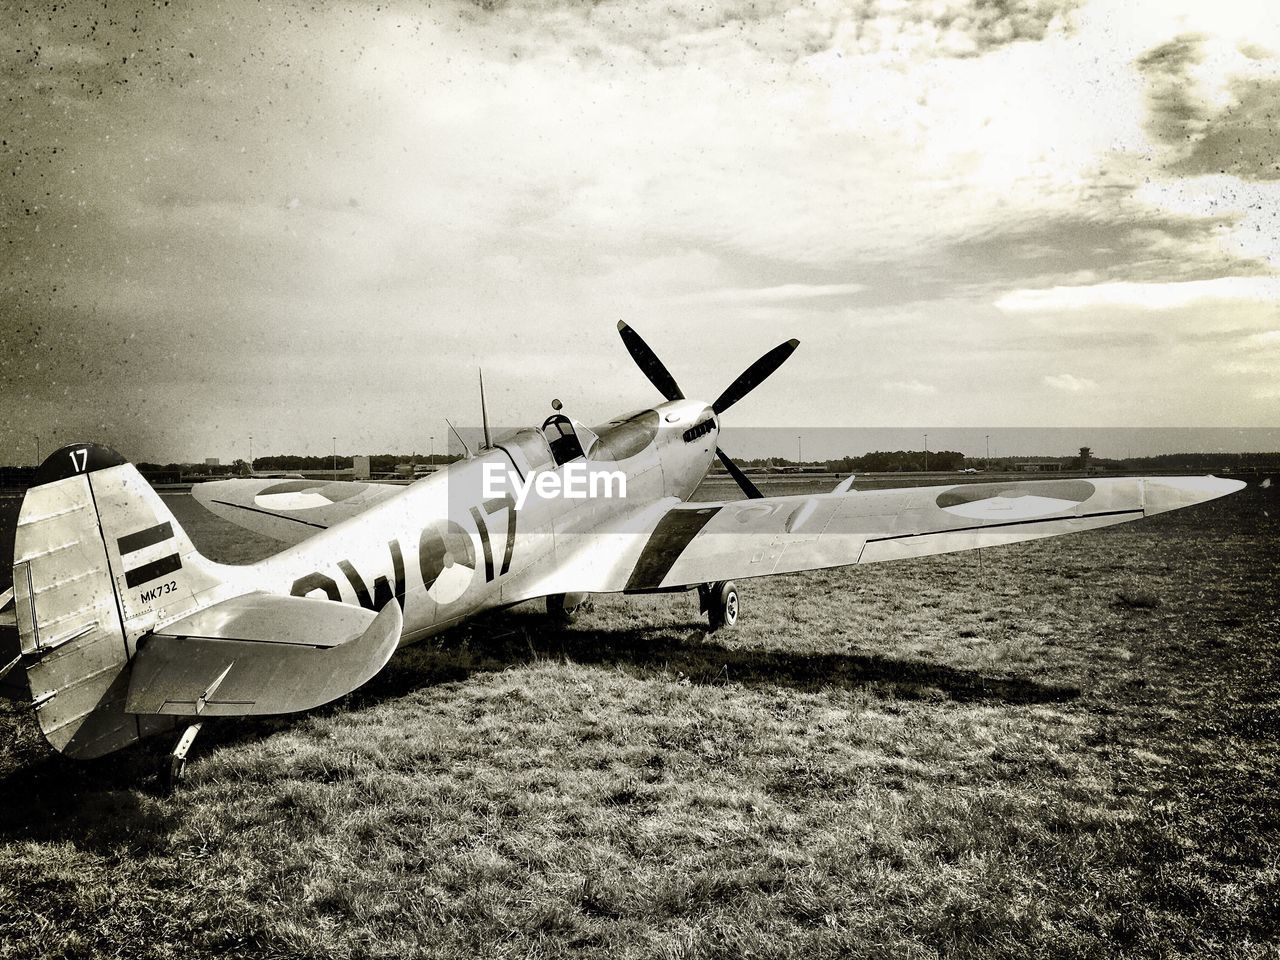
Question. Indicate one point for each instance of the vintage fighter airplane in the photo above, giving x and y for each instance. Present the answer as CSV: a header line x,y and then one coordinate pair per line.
x,y
124,630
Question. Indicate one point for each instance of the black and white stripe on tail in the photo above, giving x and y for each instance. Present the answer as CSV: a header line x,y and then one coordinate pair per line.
x,y
136,548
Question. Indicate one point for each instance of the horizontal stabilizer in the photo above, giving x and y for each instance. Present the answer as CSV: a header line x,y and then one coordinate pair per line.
x,y
261,654
289,510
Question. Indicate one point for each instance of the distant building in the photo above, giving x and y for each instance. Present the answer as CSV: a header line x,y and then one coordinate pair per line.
x,y
1038,466
360,468
212,461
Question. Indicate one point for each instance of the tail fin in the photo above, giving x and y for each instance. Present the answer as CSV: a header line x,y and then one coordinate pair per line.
x,y
98,561
124,627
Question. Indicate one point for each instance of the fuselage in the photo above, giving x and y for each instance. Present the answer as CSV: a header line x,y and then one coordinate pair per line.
x,y
464,540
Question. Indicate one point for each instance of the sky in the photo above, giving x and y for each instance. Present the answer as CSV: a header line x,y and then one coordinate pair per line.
x,y
302,222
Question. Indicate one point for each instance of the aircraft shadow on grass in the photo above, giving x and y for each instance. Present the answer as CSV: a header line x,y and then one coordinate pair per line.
x,y
104,804
505,639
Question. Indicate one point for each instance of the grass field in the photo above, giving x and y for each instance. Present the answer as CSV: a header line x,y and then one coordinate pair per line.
x,y
1066,748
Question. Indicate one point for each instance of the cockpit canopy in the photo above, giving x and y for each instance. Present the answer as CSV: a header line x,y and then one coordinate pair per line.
x,y
568,439
562,439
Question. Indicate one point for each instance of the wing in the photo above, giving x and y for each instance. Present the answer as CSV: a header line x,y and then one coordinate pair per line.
x,y
289,510
673,544
260,654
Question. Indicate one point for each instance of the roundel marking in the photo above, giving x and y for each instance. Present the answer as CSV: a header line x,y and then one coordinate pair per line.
x,y
447,561
1014,501
752,511
305,494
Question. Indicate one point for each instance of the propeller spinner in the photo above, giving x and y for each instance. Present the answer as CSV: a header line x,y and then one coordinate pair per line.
x,y
745,382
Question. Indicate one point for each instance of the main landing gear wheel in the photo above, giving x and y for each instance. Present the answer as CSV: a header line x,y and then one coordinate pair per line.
x,y
564,607
719,601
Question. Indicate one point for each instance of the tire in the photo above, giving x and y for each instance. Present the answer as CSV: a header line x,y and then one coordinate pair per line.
x,y
172,775
724,605
564,607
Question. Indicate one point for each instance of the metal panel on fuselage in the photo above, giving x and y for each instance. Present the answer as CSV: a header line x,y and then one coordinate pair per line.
x,y
440,547
685,462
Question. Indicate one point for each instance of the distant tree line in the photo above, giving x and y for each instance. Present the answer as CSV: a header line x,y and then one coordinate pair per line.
x,y
899,461
172,472
382,463
378,462
1205,461
880,461
282,461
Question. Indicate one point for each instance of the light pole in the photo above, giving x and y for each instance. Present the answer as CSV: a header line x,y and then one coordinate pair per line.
x,y
335,458
926,453
799,448
251,453
433,452
987,464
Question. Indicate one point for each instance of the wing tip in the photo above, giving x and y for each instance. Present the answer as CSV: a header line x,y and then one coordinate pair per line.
x,y
1172,493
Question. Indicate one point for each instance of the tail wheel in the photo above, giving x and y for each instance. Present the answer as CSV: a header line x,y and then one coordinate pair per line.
x,y
722,604
564,607
174,774
177,768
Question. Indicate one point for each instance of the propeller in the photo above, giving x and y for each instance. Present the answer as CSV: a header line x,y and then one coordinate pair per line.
x,y
747,381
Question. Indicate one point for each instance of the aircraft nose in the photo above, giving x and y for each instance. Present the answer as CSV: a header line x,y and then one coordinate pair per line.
x,y
1171,493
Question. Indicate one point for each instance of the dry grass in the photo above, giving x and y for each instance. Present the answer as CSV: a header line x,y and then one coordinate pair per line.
x,y
933,758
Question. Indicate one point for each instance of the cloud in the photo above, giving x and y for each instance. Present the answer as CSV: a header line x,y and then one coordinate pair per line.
x,y
1141,296
1211,92
1256,355
1068,383
783,293
1213,106
1080,249
777,30
914,387
1247,207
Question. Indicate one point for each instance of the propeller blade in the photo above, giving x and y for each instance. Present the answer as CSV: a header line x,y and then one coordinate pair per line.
x,y
649,363
747,486
754,375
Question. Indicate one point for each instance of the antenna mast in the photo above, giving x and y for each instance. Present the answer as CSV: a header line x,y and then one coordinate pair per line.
x,y
484,413
460,440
